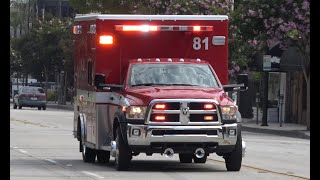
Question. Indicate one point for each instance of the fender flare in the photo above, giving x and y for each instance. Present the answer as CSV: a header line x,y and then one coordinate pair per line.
x,y
121,120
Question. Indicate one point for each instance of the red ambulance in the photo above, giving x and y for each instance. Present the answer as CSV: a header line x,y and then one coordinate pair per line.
x,y
155,84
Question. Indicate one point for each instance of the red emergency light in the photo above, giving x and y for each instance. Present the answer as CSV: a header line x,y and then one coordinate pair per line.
x,y
209,106
105,39
160,118
160,106
147,28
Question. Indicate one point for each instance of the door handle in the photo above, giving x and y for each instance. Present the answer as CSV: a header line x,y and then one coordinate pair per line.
x,y
111,98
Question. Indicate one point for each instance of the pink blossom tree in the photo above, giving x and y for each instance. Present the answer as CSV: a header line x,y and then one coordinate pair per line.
x,y
263,23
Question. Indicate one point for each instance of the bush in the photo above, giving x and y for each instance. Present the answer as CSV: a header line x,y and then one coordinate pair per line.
x,y
51,96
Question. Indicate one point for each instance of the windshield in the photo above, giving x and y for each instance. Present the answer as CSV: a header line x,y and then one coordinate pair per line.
x,y
172,74
32,90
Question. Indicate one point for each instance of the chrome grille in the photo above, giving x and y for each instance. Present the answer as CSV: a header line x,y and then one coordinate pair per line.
x,y
183,112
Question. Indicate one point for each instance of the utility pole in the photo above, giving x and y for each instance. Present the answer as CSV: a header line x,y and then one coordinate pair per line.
x,y
265,99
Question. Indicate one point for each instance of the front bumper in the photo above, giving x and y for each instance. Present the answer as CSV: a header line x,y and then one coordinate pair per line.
x,y
144,136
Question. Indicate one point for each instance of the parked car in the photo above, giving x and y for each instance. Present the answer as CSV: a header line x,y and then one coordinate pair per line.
x,y
29,96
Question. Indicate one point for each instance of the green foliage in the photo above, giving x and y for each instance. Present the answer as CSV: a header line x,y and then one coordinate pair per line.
x,y
51,96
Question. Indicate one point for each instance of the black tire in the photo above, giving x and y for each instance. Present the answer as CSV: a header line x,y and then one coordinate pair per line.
x,y
20,107
185,158
103,156
39,108
123,155
88,154
200,160
15,106
233,160
44,108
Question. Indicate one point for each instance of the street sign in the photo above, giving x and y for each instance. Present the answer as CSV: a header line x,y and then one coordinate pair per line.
x,y
271,63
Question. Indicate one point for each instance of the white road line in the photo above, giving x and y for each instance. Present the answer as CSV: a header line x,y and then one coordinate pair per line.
x,y
14,147
52,161
92,174
23,151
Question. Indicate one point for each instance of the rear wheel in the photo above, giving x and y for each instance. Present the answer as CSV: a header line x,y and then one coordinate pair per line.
x,y
185,158
44,107
15,106
88,154
20,107
39,108
123,154
103,156
233,160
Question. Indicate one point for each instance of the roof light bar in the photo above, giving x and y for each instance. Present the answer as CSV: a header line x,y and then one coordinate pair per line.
x,y
143,28
147,28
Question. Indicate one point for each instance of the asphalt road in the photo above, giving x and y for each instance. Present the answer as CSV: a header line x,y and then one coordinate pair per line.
x,y
42,147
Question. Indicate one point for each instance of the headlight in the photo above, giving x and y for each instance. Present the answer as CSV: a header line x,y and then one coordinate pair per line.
x,y
229,112
136,112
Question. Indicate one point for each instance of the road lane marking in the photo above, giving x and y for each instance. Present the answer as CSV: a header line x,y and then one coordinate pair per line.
x,y
265,170
52,161
92,174
23,151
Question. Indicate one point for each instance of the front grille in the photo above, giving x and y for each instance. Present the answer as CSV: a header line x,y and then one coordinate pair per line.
x,y
200,118
169,117
184,132
184,111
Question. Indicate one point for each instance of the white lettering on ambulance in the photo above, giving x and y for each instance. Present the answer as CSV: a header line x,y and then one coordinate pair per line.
x,y
197,43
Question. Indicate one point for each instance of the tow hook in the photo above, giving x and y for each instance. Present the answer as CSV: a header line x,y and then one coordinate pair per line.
x,y
168,153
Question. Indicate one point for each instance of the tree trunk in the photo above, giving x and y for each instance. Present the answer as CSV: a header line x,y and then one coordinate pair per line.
x,y
26,79
308,103
65,88
46,75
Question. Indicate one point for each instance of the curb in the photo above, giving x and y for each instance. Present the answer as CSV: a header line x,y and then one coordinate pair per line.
x,y
294,133
58,106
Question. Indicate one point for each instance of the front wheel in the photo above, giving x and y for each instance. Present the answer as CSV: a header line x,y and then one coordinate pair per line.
x,y
39,108
233,160
20,107
15,106
123,155
44,108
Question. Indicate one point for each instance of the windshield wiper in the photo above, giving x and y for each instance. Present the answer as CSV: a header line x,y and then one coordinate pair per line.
x,y
150,84
159,84
183,84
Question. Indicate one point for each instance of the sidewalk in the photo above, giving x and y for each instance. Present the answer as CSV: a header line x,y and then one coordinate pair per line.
x,y
287,129
249,125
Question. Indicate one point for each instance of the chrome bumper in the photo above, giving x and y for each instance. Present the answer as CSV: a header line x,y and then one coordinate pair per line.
x,y
145,136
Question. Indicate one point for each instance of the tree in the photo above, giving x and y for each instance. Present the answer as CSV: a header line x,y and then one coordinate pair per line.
x,y
105,6
263,23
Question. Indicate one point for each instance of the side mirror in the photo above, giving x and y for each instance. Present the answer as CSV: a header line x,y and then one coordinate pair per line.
x,y
243,79
112,87
99,79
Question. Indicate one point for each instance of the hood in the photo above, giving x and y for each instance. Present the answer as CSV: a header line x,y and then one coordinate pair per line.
x,y
143,95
